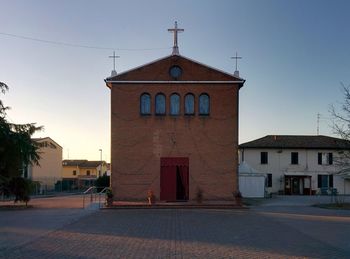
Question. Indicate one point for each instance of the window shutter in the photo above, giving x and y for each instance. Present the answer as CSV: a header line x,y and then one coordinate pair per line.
x,y
330,158
269,180
319,181
320,158
331,181
263,158
294,158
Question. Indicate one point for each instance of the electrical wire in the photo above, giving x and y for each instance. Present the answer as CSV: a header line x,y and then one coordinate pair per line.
x,y
67,44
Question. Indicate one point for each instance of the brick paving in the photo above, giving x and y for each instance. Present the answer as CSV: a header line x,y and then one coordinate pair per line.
x,y
177,233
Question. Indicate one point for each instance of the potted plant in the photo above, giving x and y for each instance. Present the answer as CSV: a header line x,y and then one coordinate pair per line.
x,y
151,197
109,198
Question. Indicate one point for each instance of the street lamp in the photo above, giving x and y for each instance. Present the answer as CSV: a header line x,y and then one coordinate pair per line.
x,y
100,161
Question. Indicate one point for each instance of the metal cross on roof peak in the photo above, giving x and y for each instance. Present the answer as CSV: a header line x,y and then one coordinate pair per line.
x,y
175,30
236,58
114,57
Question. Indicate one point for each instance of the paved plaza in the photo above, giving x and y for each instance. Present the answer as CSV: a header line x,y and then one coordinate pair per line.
x,y
271,230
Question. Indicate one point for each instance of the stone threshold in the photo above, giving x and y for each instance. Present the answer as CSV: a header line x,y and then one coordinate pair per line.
x,y
175,205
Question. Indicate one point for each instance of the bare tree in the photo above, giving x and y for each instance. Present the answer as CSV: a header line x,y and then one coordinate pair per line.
x,y
341,126
341,118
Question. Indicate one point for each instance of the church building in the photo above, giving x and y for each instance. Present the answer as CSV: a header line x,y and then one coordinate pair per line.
x,y
174,130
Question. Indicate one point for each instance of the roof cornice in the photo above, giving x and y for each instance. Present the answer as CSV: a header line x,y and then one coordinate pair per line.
x,y
175,82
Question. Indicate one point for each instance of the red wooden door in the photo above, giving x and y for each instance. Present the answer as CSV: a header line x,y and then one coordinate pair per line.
x,y
169,166
168,183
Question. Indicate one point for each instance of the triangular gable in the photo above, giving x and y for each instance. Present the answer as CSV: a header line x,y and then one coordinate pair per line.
x,y
39,140
158,70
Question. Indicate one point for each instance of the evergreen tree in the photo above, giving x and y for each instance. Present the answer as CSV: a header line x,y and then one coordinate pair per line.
x,y
17,150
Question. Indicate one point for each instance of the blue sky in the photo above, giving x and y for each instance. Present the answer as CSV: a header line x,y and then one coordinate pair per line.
x,y
295,55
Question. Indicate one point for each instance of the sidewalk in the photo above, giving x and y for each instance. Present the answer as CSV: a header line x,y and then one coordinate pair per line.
x,y
301,200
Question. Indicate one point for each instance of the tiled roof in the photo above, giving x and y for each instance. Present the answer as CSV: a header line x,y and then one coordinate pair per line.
x,y
82,163
39,140
297,142
90,164
68,162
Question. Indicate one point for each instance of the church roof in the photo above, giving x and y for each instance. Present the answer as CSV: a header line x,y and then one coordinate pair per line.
x,y
158,71
297,142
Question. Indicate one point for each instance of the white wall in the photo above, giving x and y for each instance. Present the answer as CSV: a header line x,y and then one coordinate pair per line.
x,y
252,186
279,163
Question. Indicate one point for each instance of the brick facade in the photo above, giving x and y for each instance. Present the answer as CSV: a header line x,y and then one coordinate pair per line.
x,y
138,141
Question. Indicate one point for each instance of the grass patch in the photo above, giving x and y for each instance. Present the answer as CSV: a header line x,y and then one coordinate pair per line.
x,y
334,206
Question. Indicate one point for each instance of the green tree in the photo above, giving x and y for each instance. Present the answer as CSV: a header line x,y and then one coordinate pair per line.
x,y
17,149
102,181
21,188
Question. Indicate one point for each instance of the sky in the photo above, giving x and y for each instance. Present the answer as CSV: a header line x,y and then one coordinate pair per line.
x,y
295,56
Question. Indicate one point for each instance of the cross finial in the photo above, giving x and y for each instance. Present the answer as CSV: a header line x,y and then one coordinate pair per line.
x,y
175,47
114,57
236,73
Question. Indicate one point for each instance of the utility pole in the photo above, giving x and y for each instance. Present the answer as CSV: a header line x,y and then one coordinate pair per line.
x,y
100,162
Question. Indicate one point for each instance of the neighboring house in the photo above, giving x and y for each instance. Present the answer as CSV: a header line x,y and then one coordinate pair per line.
x,y
298,164
78,174
49,170
174,130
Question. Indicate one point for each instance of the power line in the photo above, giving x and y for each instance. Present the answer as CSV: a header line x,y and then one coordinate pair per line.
x,y
67,44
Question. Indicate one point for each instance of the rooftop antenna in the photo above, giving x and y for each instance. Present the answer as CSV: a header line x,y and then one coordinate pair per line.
x,y
236,73
175,30
318,123
114,72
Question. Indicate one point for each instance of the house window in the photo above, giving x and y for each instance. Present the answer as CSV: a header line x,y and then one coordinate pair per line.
x,y
145,104
189,104
174,104
160,104
325,159
269,180
325,181
263,157
88,172
204,104
294,158
74,172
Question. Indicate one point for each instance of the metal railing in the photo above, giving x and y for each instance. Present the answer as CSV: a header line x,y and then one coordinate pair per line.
x,y
94,195
91,190
101,193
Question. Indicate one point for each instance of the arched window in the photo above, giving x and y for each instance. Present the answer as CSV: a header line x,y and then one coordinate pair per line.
x,y
160,104
174,104
145,104
204,104
189,104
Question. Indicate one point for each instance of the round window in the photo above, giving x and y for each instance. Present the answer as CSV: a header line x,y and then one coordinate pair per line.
x,y
175,72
